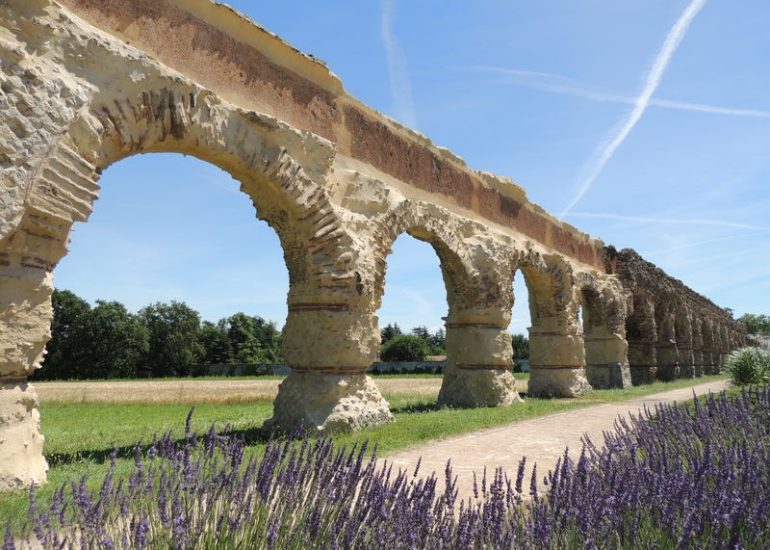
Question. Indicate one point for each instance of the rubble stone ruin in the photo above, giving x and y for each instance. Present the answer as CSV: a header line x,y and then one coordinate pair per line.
x,y
86,83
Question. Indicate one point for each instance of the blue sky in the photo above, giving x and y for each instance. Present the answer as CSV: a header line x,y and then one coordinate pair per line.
x,y
643,122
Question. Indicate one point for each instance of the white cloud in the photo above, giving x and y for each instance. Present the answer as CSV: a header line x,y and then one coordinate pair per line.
x,y
673,39
398,72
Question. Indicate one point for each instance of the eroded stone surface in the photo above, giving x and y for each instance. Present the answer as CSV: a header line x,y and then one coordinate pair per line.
x,y
328,402
477,388
672,331
557,382
21,443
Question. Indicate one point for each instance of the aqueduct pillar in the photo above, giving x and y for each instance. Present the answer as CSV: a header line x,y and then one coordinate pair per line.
x,y
684,342
698,345
604,330
642,336
557,355
666,347
479,364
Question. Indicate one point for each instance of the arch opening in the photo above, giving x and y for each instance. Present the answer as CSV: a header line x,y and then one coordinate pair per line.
x,y
174,240
478,368
413,305
557,358
521,321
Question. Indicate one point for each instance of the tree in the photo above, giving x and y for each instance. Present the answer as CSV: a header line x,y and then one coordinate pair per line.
x,y
214,344
174,344
253,340
390,332
108,342
421,332
406,347
105,341
520,346
68,309
437,342
756,324
269,338
243,341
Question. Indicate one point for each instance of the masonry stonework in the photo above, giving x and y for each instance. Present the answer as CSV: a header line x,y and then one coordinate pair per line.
x,y
86,83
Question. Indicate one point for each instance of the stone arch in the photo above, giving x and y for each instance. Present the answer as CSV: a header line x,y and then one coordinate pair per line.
x,y
684,341
641,332
604,317
557,356
281,169
446,235
478,369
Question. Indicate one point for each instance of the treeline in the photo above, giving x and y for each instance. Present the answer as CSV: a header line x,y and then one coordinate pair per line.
x,y
162,339
420,343
756,324
413,346
170,340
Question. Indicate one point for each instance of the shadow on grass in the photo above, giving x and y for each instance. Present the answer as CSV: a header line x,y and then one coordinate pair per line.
x,y
417,408
251,436
433,406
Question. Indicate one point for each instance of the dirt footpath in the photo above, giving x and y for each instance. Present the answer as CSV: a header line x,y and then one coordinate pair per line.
x,y
541,440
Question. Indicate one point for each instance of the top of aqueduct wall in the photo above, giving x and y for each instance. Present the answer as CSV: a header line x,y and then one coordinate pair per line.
x,y
249,66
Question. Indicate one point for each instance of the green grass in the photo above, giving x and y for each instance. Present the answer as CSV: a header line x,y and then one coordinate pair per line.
x,y
609,396
81,436
74,431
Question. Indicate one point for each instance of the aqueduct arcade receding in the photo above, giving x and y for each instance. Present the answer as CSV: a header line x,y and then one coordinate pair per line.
x,y
86,83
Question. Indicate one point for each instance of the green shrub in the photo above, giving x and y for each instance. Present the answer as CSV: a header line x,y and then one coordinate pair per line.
x,y
406,347
749,366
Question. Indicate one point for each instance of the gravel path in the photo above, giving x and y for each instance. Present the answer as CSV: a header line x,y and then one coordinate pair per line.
x,y
542,440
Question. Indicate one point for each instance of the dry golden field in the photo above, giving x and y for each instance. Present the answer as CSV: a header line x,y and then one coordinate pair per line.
x,y
203,391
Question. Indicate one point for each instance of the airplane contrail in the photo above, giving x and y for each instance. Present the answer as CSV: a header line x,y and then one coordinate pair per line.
x,y
676,221
673,39
563,85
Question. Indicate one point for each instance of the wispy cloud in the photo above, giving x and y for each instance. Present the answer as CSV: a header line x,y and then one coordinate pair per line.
x,y
563,85
398,72
673,221
522,73
673,39
695,244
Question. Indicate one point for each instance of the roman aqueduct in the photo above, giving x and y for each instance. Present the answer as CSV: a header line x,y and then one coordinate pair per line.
x,y
86,83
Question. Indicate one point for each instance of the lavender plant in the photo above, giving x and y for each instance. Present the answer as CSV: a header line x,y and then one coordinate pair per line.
x,y
676,477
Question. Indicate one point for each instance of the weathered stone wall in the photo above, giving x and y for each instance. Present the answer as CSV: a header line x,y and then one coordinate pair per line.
x,y
86,83
673,332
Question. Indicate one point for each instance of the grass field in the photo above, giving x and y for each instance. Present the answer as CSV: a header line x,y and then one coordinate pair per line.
x,y
84,422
